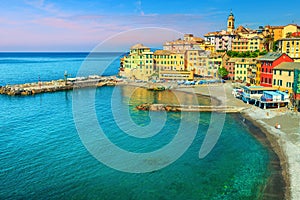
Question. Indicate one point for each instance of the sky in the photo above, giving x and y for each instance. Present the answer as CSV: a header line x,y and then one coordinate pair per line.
x,y
83,25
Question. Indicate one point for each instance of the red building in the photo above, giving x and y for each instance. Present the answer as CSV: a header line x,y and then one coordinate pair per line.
x,y
268,62
229,65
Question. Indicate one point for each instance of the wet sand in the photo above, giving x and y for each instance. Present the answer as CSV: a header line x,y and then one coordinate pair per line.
x,y
284,144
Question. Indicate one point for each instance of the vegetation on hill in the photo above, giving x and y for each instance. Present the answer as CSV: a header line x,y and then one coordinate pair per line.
x,y
246,54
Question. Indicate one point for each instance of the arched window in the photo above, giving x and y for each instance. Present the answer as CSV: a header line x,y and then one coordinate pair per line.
x,y
229,23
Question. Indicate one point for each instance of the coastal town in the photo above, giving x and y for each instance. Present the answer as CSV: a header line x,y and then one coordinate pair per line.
x,y
245,83
265,61
260,67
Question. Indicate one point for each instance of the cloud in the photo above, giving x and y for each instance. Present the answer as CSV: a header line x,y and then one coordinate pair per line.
x,y
138,7
42,5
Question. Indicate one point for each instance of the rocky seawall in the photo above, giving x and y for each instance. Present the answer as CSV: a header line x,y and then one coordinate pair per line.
x,y
188,108
55,86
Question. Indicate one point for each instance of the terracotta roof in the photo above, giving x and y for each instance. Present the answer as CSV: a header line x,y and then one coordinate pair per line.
x,y
139,46
242,29
162,52
288,66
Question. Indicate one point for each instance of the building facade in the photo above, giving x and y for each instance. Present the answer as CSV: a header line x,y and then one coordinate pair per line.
x,y
290,46
242,68
197,61
267,64
284,75
139,63
168,60
188,42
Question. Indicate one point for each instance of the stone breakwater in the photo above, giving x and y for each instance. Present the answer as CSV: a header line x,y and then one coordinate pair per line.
x,y
188,108
54,86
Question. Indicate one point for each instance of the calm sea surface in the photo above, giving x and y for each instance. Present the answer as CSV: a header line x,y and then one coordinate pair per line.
x,y
42,156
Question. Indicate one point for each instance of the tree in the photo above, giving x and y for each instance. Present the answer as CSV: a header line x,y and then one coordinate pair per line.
x,y
222,71
275,46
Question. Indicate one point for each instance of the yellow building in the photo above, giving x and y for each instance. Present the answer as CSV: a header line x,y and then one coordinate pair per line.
x,y
244,69
168,60
283,76
258,70
197,61
171,65
206,46
240,44
215,61
138,64
255,43
276,32
291,46
289,29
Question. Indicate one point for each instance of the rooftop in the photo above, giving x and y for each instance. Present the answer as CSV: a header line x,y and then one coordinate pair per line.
x,y
139,46
258,88
271,56
162,52
288,66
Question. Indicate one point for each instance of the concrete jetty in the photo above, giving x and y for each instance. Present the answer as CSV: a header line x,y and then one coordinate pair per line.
x,y
56,85
189,108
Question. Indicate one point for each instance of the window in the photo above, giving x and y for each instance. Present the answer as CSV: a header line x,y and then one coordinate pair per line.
x,y
274,82
280,72
274,73
290,72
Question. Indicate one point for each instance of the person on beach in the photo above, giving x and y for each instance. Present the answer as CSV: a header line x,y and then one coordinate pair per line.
x,y
277,126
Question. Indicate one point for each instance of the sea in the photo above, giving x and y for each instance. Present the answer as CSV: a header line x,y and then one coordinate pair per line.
x,y
46,151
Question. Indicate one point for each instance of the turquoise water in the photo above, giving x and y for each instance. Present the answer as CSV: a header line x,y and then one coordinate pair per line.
x,y
42,156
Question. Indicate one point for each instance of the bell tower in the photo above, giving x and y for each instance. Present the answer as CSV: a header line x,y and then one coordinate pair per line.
x,y
230,22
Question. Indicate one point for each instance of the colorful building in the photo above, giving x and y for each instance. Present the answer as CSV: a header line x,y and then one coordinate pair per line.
x,y
215,61
138,64
168,60
229,65
242,67
267,63
275,32
188,42
289,29
255,44
283,76
222,40
290,46
171,65
197,61
240,45
296,88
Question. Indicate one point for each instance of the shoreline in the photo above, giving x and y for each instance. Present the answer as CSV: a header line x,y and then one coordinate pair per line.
x,y
275,148
279,141
278,185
